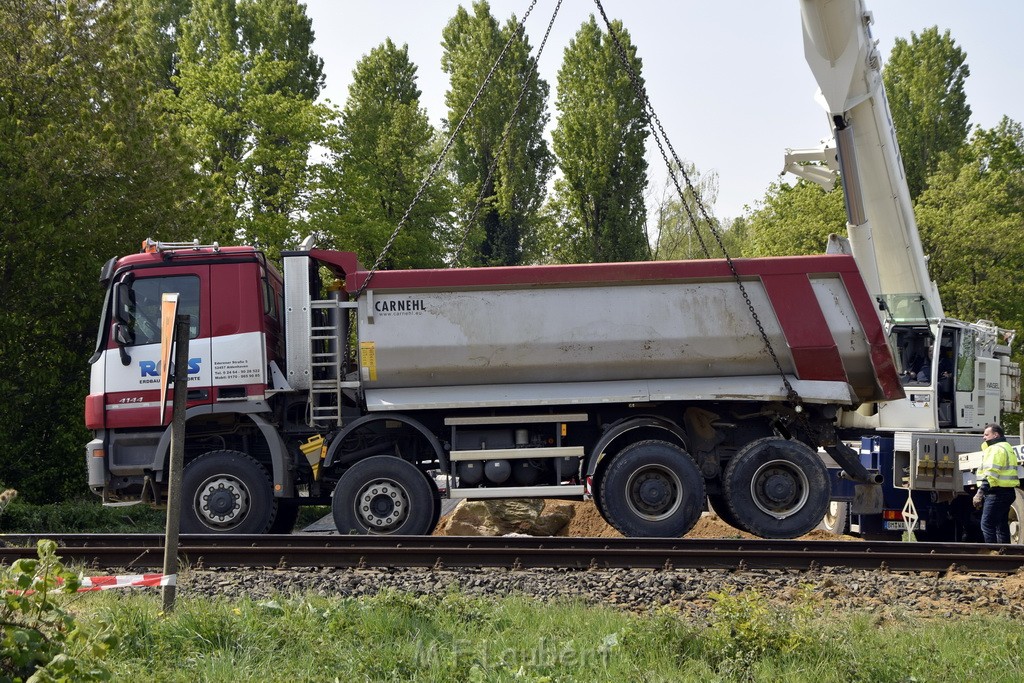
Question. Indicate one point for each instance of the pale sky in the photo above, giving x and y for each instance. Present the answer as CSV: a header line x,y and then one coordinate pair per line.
x,y
727,77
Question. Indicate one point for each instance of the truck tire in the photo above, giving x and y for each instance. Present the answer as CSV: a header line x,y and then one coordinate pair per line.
x,y
777,488
721,508
1017,519
284,521
652,488
837,518
226,492
383,494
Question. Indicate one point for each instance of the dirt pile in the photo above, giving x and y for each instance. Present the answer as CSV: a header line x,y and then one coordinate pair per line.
x,y
588,522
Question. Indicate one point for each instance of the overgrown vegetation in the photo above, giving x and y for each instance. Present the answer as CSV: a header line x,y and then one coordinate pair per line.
x,y
37,629
79,516
454,637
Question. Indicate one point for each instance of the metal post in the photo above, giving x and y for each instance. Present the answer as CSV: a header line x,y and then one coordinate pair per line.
x,y
181,328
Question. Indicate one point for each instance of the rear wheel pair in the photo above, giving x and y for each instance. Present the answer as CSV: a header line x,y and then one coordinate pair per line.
x,y
774,488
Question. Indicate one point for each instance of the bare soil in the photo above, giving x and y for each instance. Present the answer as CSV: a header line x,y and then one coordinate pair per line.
x,y
588,522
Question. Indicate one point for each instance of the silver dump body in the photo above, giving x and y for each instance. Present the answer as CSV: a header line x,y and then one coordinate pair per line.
x,y
557,335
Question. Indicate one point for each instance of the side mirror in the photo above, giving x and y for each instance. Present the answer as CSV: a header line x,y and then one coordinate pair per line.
x,y
124,337
124,302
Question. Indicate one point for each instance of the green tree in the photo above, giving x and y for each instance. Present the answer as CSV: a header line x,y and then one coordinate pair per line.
x,y
924,81
380,154
599,143
513,195
157,25
794,219
680,227
971,219
89,159
247,83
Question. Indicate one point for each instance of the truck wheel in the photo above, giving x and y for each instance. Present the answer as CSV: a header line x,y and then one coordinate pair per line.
x,y
226,492
836,519
1017,519
652,488
777,488
721,508
383,494
284,521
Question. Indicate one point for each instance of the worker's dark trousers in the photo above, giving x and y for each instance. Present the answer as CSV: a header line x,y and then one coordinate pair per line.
x,y
995,523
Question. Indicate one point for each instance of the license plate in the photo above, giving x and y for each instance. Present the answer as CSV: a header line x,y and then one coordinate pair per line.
x,y
894,525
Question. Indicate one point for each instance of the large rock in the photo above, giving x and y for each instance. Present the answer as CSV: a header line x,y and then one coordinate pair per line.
x,y
506,516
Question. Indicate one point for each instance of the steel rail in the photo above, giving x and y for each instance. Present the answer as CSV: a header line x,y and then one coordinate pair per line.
x,y
310,550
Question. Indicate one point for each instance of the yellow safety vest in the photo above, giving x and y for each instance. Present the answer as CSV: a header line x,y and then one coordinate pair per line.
x,y
999,465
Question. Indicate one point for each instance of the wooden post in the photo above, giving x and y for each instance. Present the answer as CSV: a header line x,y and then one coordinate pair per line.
x,y
181,328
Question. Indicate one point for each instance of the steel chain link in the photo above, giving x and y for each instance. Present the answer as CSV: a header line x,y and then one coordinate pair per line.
x,y
444,152
505,138
656,129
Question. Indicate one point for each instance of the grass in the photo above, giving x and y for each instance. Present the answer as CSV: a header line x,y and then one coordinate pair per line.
x,y
398,637
79,516
89,516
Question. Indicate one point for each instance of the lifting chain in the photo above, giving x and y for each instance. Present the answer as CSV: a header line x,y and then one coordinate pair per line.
x,y
508,134
444,153
658,133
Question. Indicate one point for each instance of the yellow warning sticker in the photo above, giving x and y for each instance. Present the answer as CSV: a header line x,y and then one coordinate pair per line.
x,y
368,360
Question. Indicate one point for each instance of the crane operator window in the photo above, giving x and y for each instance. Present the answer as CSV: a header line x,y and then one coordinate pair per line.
x,y
914,353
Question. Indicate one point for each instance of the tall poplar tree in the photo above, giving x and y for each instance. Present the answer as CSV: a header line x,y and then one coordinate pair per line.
x,y
381,152
247,80
924,81
599,142
514,194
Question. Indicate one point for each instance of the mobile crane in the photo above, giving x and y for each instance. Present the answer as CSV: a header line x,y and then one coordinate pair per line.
x,y
958,376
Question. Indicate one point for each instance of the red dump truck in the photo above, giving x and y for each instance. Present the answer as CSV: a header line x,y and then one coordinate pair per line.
x,y
653,387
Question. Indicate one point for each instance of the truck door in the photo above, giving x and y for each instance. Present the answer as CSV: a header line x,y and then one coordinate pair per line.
x,y
133,389
946,370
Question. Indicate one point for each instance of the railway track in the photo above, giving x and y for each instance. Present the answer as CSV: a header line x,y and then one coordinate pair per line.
x,y
133,551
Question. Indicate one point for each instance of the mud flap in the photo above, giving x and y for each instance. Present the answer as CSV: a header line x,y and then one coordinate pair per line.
x,y
867,499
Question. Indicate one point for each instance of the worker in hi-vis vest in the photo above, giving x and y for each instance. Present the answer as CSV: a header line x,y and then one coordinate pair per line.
x,y
997,485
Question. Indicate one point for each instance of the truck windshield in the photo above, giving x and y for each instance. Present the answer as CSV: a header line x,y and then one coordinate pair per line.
x,y
907,308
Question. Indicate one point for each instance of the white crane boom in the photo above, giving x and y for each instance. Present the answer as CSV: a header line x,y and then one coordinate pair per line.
x,y
882,231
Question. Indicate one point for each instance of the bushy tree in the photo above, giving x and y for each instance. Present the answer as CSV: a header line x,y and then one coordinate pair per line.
x,y
90,163
247,80
514,193
971,219
924,81
680,227
599,143
794,219
381,152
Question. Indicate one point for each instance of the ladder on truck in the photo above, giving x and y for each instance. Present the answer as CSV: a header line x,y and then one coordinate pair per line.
x,y
327,361
315,346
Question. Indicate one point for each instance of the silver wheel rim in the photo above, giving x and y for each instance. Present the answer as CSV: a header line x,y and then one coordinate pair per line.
x,y
779,488
382,505
222,501
654,493
831,520
1015,538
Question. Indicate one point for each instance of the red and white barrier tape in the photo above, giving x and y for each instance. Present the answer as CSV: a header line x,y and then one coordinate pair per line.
x,y
102,583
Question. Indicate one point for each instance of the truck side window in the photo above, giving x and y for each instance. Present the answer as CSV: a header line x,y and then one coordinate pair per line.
x,y
965,362
144,313
270,307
